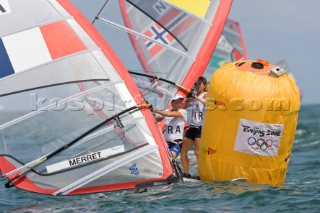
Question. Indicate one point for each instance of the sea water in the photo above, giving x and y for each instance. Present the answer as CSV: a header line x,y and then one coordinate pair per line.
x,y
300,192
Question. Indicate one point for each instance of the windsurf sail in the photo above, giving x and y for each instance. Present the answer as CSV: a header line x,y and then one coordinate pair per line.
x,y
71,115
231,47
167,39
283,64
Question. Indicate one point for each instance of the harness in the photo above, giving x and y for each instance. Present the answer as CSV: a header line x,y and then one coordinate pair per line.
x,y
194,127
176,142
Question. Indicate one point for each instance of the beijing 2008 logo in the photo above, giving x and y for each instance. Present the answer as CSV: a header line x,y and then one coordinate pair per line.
x,y
259,143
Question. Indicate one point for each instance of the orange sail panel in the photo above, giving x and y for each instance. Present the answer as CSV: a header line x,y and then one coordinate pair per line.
x,y
61,44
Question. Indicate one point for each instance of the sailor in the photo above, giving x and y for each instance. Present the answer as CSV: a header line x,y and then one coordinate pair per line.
x,y
196,100
175,120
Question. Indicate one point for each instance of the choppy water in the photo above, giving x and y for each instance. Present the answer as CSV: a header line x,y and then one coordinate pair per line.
x,y
300,193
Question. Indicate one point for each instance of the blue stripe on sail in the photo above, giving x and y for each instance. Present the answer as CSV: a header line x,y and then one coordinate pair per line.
x,y
5,63
177,20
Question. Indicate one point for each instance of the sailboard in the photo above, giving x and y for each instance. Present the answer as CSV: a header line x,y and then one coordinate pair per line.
x,y
72,118
163,39
231,47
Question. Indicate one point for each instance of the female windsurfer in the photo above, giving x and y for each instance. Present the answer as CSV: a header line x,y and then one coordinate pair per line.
x,y
175,120
197,103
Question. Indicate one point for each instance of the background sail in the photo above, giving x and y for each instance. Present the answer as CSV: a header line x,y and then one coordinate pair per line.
x,y
283,64
168,39
230,48
59,78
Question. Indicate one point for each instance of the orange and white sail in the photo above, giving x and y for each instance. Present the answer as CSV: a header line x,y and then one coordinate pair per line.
x,y
168,39
71,119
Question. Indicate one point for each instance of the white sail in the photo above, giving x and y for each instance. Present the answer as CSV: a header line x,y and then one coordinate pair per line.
x,y
69,108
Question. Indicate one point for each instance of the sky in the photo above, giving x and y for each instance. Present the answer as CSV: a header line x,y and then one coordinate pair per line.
x,y
287,30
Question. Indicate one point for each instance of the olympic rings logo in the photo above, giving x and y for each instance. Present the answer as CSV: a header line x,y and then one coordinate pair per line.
x,y
260,143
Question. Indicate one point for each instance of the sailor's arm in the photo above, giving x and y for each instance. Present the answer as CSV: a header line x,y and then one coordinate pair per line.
x,y
203,99
168,113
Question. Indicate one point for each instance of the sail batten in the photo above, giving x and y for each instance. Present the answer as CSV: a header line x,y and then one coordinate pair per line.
x,y
143,36
55,104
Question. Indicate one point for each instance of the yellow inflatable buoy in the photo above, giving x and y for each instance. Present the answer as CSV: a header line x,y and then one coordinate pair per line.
x,y
250,123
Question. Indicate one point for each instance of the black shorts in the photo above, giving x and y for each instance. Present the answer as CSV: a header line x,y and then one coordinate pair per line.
x,y
193,132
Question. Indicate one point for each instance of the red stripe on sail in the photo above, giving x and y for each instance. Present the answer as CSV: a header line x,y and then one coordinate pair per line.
x,y
237,55
6,166
244,52
155,49
23,182
181,28
173,13
61,40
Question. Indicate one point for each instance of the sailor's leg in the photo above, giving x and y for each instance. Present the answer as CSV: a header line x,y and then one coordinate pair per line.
x,y
186,145
196,146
